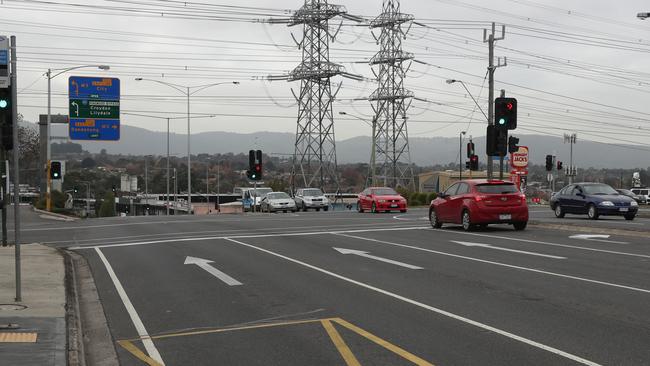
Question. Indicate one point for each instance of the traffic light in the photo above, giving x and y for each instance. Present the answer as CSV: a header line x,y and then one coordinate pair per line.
x,y
258,164
75,190
559,165
6,120
497,141
114,188
470,149
473,162
55,170
505,113
513,146
549,163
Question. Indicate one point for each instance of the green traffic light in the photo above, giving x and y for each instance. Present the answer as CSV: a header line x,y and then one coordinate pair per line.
x,y
502,121
3,103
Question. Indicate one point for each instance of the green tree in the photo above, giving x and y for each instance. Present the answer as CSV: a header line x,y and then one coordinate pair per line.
x,y
108,205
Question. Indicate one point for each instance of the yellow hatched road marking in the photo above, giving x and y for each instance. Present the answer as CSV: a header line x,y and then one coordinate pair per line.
x,y
389,346
15,337
343,348
138,353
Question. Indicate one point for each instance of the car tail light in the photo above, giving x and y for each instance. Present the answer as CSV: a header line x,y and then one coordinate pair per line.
x,y
480,198
523,199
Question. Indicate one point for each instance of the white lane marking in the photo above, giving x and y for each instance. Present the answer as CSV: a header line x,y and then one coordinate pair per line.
x,y
470,244
427,307
546,243
402,218
361,253
501,264
135,318
177,240
596,237
205,265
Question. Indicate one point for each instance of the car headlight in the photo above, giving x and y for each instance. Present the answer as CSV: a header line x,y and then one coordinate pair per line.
x,y
607,203
634,204
382,201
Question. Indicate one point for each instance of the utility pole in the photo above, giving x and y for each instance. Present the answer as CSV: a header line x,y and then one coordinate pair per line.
x,y
571,139
16,154
460,155
146,180
490,39
218,179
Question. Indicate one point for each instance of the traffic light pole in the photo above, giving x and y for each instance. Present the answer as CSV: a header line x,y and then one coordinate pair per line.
x,y
14,116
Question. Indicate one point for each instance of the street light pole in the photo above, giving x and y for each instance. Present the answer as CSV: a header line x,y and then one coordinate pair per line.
x,y
167,167
48,199
460,155
187,90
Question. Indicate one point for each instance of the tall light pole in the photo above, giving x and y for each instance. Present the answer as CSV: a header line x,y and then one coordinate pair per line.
x,y
371,176
452,81
188,91
49,119
460,155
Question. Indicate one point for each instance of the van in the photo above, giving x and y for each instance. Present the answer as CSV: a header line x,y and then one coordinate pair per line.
x,y
644,193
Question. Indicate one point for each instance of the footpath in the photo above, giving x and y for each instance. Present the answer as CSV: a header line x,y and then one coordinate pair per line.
x,y
33,331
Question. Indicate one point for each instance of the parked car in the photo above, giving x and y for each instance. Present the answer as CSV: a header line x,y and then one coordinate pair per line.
x,y
593,199
634,196
278,201
480,202
377,199
643,192
253,196
307,198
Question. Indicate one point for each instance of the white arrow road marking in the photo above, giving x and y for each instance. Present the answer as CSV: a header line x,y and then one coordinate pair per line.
x,y
470,244
596,237
204,263
366,255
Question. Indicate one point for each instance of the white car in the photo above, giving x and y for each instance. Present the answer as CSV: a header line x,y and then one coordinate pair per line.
x,y
307,198
644,193
278,201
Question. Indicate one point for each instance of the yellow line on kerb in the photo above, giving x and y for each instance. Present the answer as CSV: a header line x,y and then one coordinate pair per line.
x,y
389,346
343,348
127,345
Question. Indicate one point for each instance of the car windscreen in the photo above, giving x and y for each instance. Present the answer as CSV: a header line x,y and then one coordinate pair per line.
x,y
277,196
496,188
260,192
598,189
384,192
312,192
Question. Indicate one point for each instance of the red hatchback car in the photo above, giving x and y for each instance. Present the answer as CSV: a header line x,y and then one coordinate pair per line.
x,y
377,199
480,202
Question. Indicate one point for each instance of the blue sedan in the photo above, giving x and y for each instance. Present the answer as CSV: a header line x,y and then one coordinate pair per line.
x,y
593,199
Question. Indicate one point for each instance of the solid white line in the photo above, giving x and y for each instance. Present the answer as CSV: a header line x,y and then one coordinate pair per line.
x,y
427,307
500,264
177,240
135,318
546,243
489,246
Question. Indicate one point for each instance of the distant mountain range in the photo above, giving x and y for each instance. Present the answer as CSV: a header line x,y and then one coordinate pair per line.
x,y
424,151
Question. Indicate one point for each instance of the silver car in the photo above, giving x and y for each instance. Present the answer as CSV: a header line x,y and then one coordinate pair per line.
x,y
307,198
278,201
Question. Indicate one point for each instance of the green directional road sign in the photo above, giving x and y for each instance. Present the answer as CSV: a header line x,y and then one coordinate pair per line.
x,y
85,108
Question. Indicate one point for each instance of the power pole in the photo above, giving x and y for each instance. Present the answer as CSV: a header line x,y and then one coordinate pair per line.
x,y
392,100
490,39
314,158
571,170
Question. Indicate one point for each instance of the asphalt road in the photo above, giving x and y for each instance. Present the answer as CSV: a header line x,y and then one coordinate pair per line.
x,y
277,291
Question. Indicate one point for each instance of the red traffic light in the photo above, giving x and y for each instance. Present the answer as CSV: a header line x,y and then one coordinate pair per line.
x,y
509,106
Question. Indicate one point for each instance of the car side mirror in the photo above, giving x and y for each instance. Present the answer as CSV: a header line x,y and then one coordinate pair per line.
x,y
442,195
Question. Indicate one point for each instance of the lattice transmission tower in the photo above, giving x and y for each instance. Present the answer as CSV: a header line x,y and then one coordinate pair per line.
x,y
314,159
390,162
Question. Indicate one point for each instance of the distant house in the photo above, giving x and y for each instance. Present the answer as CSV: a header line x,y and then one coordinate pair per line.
x,y
439,181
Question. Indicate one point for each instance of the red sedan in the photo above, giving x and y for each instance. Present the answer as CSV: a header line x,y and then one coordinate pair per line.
x,y
480,202
377,199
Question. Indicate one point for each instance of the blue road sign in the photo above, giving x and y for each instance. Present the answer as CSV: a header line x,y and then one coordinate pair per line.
x,y
94,108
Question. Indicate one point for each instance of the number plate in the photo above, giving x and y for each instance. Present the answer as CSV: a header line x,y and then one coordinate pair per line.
x,y
393,205
624,209
505,217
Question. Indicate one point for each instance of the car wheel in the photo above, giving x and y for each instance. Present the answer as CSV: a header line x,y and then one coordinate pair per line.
x,y
559,212
592,212
374,208
467,221
359,208
629,217
520,225
433,219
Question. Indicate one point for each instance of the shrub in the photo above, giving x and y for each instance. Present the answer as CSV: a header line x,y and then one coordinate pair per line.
x,y
107,208
432,196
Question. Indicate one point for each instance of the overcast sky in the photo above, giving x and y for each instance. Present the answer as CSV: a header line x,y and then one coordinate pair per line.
x,y
580,66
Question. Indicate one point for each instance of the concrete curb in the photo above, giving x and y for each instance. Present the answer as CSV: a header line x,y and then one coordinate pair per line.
x,y
60,216
72,316
91,343
591,230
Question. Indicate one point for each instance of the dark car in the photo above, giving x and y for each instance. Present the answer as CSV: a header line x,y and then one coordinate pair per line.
x,y
593,199
480,202
634,196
